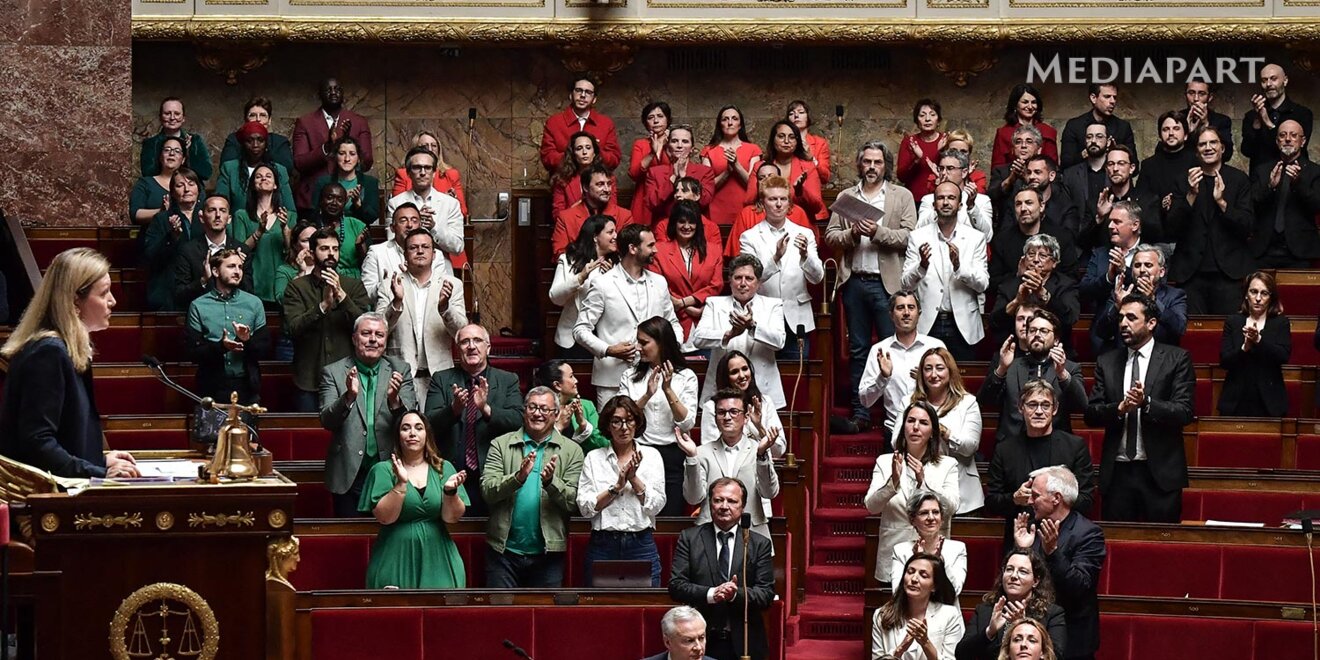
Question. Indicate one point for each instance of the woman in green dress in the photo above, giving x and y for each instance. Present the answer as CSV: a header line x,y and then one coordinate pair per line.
x,y
333,215
414,495
263,226
362,188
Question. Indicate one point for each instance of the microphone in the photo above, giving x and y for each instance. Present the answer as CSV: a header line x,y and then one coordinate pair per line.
x,y
801,332
472,117
517,650
838,114
158,371
745,522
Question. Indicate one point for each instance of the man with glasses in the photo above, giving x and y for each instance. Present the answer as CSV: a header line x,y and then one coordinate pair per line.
x,y
733,455
580,115
1041,359
530,481
440,213
1042,282
974,208
469,405
1037,444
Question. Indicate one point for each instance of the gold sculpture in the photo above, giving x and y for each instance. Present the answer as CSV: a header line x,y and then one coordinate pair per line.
x,y
168,620
233,452
282,557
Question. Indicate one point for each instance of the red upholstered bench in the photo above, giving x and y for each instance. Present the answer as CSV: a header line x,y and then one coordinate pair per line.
x,y
1308,452
1190,637
1286,572
1146,569
1202,340
449,632
354,634
1249,506
1238,450
333,562
983,560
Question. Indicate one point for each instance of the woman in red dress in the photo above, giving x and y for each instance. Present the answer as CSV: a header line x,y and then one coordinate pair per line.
x,y
817,147
656,196
565,188
689,263
786,152
729,155
650,150
1025,106
919,152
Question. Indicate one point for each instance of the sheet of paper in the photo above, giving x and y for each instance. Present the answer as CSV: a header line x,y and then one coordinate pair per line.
x,y
1230,523
178,468
855,210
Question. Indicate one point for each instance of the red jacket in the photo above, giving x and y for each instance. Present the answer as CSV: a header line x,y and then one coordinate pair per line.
x,y
713,236
641,147
728,199
653,200
567,193
309,135
707,277
808,195
913,172
560,127
569,223
819,148
1002,151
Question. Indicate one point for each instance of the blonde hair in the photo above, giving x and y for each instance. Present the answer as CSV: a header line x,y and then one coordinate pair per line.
x,y
1046,644
440,165
52,312
959,135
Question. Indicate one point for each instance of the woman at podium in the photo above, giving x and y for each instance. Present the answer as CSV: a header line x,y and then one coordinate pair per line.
x,y
48,418
414,495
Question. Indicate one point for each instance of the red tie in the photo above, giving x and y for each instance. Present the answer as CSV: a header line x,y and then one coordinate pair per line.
x,y
470,435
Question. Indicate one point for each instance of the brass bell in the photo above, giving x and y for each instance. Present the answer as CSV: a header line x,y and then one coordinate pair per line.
x,y
233,452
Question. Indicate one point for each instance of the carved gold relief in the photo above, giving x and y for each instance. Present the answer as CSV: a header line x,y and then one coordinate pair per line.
x,y
277,518
601,60
162,621
1307,58
164,521
204,519
92,520
282,557
49,522
961,62
231,60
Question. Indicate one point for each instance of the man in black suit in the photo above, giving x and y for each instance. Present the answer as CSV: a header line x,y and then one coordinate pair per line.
x,y
1143,399
1120,170
1211,214
1104,99
684,630
1269,110
1074,550
192,272
708,573
1039,445
1198,113
1169,163
1010,238
471,404
1037,356
1146,277
1042,282
1286,196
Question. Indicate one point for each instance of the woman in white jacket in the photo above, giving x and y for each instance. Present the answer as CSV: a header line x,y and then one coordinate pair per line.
x,y
922,620
594,251
939,383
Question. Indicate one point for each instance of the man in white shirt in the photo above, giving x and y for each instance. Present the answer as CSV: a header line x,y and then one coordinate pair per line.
x,y
945,264
974,209
745,322
790,261
386,258
891,363
440,213
733,455
425,311
617,301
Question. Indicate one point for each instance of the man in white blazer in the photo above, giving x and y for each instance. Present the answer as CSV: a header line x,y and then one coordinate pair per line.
x,y
744,322
945,264
732,455
440,213
974,208
425,311
616,302
386,258
789,260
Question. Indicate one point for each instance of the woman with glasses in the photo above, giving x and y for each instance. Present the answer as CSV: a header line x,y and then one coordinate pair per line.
x,y
151,194
622,490
786,152
1023,590
926,513
1256,344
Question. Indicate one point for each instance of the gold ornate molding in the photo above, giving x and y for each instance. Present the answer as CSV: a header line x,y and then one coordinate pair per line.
x,y
92,520
166,639
238,519
962,62
1205,31
600,60
230,60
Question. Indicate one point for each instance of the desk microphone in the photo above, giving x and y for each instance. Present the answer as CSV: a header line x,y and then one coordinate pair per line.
x,y
517,650
745,522
472,117
158,370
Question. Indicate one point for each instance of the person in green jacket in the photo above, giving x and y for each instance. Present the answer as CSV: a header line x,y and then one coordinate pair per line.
x,y
263,226
235,175
171,125
362,188
578,418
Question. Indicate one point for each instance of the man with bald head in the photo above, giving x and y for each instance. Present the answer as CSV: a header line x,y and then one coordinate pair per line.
x,y
1269,110
1286,196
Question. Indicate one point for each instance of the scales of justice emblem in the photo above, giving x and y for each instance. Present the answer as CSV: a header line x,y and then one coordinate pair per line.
x,y
164,621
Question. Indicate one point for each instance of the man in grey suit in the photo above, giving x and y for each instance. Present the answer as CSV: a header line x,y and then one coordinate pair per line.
x,y
362,396
684,630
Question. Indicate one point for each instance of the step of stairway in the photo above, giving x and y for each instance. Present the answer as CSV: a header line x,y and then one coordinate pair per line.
x,y
838,551
841,469
836,580
849,495
869,444
826,649
832,617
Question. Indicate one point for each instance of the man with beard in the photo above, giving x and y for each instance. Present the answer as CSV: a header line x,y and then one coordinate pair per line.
x,y
1041,174
315,135
319,311
425,310
790,262
1041,358
1198,113
616,302
580,115
1286,196
745,322
1120,167
731,454
1146,277
1038,442
226,333
192,265
1161,173
1269,110
1086,179
1104,99
597,199
1006,248
470,404
440,212
361,398
1006,180
1211,214
891,363
1040,281
1109,261
871,262
946,263
1143,399
974,208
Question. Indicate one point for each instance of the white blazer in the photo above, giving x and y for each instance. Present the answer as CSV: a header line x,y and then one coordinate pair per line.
x,y
759,477
954,554
769,420
566,293
759,345
965,285
980,218
882,499
786,279
944,628
964,426
610,313
438,329
448,216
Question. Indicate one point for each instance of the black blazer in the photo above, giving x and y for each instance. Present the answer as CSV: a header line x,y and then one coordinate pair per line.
x,y
506,412
1011,466
1064,303
1075,567
1300,209
976,646
190,268
1073,136
1258,372
1170,385
695,570
49,418
1204,227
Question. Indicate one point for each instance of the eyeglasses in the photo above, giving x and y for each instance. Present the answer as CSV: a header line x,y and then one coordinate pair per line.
x,y
421,168
583,91
544,410
172,151
1038,405
728,412
622,422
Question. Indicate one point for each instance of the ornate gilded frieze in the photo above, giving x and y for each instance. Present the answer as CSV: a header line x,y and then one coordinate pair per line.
x,y
236,519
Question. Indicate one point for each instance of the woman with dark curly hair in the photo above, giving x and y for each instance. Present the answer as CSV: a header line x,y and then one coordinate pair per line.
x,y
1023,589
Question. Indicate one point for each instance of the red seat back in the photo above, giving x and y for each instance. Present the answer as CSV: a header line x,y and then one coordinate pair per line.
x,y
1143,569
1238,450
354,634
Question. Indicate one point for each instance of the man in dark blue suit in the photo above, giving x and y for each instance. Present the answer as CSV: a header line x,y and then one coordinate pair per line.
x,y
684,630
1074,550
1146,277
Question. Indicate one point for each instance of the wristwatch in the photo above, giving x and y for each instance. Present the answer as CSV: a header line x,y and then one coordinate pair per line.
x,y
614,489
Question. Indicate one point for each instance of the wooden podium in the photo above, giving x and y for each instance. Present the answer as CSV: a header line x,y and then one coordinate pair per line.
x,y
157,571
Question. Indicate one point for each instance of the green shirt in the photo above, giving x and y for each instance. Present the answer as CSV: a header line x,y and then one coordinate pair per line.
x,y
212,315
525,536
367,399
597,439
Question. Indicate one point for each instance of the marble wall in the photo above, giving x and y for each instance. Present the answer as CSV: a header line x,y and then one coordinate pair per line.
x,y
66,120
405,88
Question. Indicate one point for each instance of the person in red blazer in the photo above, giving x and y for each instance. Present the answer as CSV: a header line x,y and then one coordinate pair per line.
x,y
689,189
786,153
752,214
447,180
919,152
598,183
730,155
656,196
315,133
1025,106
691,265
566,182
817,147
579,116
650,150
